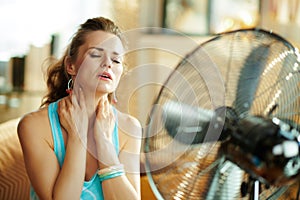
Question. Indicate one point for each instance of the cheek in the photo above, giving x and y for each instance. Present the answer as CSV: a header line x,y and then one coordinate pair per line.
x,y
84,72
88,63
87,66
118,72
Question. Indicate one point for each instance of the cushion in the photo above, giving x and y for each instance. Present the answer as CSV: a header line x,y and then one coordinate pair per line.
x,y
14,182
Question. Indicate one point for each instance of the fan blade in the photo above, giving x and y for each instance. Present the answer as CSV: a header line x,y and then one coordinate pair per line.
x,y
249,78
288,92
226,182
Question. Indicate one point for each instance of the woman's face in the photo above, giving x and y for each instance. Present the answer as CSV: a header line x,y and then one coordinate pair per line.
x,y
99,63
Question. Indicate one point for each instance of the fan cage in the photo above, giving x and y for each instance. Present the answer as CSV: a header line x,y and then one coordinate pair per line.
x,y
208,78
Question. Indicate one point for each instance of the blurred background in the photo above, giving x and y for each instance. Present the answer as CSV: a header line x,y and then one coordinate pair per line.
x,y
160,33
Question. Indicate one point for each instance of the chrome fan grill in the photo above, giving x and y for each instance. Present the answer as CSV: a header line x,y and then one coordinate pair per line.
x,y
254,73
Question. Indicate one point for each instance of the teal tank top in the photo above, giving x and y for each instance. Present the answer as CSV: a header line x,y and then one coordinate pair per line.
x,y
92,189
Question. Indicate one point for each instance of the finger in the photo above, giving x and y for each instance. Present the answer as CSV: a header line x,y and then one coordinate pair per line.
x,y
81,99
99,111
62,109
112,116
74,100
106,107
64,104
76,87
103,105
60,106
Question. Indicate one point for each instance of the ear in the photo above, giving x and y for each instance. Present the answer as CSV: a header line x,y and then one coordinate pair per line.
x,y
70,67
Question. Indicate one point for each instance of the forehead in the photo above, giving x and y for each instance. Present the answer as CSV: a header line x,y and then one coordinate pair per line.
x,y
104,40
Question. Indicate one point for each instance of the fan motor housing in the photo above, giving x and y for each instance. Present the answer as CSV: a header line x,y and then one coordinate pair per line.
x,y
251,146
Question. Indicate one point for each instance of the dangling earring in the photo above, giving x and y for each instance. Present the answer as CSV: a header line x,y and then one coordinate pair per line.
x,y
70,86
114,97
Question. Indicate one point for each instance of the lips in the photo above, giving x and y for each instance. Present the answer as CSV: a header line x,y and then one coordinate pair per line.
x,y
105,75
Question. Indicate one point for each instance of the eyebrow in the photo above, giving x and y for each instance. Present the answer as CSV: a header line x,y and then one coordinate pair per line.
x,y
101,49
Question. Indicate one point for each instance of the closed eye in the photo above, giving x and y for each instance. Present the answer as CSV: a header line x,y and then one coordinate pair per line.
x,y
116,61
95,55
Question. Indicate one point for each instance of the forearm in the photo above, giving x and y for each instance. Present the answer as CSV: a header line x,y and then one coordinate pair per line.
x,y
71,177
125,188
107,155
119,188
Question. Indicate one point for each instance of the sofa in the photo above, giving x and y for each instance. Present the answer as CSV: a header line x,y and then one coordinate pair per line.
x,y
14,183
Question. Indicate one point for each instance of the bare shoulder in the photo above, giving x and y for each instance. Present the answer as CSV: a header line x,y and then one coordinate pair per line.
x,y
33,122
129,124
130,134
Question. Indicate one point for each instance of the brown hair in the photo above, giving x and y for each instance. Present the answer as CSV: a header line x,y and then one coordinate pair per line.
x,y
57,77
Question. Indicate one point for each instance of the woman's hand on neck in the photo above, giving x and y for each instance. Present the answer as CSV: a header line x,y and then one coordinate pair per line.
x,y
92,101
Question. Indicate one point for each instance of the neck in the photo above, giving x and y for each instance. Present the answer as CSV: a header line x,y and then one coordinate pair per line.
x,y
92,101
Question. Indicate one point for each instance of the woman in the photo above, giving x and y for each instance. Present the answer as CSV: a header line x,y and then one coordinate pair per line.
x,y
78,146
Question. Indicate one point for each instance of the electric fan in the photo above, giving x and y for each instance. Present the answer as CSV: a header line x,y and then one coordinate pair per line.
x,y
225,123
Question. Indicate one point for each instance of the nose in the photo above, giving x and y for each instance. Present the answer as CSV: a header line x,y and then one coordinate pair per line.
x,y
106,62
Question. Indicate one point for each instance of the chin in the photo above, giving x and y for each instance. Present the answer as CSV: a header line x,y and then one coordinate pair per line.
x,y
104,90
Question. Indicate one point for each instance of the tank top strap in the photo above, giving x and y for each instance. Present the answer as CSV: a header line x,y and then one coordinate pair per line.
x,y
58,140
115,138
